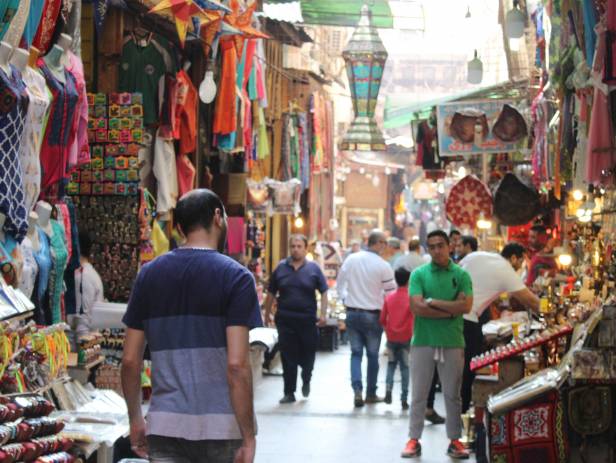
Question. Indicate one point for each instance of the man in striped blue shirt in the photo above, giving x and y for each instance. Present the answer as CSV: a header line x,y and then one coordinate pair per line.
x,y
193,307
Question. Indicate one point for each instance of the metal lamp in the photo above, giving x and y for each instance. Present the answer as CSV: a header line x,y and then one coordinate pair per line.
x,y
365,57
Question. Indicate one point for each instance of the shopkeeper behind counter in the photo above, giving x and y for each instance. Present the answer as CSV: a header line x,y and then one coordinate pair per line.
x,y
88,288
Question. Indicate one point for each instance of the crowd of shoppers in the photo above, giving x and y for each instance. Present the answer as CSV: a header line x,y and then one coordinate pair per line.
x,y
431,308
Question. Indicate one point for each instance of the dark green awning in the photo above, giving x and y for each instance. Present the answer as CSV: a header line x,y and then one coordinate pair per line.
x,y
342,12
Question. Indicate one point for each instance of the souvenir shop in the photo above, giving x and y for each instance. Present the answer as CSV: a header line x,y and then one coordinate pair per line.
x,y
545,383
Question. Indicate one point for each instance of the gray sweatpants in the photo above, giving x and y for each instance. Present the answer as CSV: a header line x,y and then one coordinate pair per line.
x,y
450,365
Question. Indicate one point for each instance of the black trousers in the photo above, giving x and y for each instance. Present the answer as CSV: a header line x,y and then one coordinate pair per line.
x,y
473,339
298,342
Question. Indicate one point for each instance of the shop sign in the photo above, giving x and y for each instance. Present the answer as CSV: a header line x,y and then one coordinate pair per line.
x,y
478,127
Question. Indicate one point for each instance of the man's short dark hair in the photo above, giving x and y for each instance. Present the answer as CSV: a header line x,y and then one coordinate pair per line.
x,y
468,240
438,233
374,237
538,228
298,237
513,249
85,244
196,210
402,276
454,232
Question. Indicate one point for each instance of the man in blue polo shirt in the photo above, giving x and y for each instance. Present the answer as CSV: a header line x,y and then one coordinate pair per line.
x,y
295,282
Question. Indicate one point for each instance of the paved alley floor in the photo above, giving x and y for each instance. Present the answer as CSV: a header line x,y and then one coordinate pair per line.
x,y
326,428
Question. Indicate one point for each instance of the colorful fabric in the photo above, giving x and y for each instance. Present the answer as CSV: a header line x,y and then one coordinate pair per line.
x,y
186,174
186,114
43,261
30,268
79,148
59,259
535,432
33,21
44,33
225,121
13,110
55,148
8,10
36,117
17,24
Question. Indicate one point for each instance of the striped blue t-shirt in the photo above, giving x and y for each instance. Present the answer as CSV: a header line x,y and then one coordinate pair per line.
x,y
184,301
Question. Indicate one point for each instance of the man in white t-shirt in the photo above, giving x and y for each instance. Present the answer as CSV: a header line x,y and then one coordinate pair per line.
x,y
492,274
363,281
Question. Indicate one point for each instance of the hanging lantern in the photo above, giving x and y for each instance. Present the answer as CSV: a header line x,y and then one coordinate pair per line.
x,y
365,57
475,70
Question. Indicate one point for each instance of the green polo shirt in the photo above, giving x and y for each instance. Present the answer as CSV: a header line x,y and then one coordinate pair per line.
x,y
444,283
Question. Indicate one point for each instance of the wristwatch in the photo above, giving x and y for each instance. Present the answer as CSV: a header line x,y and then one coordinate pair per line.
x,y
429,301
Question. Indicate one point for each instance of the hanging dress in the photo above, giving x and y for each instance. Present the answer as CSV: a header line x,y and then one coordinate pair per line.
x,y
13,110
79,149
8,10
47,25
33,21
18,23
30,151
55,148
43,261
59,260
30,268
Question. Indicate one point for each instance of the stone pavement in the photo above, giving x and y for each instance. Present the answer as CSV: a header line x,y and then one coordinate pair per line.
x,y
326,428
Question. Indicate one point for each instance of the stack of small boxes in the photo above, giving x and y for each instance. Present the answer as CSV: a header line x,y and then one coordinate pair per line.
x,y
115,133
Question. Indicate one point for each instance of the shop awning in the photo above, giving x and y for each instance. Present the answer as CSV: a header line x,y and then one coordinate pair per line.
x,y
399,113
342,12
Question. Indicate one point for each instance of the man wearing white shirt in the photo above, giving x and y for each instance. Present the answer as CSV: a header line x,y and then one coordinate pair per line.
x,y
364,280
492,274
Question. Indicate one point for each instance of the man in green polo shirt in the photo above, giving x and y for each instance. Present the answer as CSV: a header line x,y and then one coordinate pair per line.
x,y
441,292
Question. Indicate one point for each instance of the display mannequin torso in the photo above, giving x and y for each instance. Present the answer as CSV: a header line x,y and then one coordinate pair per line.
x,y
53,60
5,53
43,210
19,59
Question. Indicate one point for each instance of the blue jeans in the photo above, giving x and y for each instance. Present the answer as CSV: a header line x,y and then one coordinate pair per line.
x,y
364,331
398,354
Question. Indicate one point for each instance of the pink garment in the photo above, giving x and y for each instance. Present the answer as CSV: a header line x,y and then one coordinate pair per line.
x,y
66,221
186,174
600,154
236,235
79,149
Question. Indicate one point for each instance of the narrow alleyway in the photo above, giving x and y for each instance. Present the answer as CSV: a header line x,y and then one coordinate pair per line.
x,y
326,428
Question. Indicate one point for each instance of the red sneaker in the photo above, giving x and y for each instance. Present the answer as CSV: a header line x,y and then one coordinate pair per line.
x,y
457,451
412,449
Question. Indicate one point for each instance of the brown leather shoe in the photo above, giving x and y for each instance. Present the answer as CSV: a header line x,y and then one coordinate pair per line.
x,y
373,399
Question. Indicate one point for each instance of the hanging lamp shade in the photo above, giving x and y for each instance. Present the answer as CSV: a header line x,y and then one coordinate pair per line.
x,y
515,22
475,70
365,57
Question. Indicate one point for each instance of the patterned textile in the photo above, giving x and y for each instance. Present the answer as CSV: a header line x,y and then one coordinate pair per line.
x,y
47,24
36,118
8,10
55,148
13,109
17,24
532,433
30,268
79,148
59,259
467,200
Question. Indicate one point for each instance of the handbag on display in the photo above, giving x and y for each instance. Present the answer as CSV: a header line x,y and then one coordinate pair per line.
x,y
515,202
468,201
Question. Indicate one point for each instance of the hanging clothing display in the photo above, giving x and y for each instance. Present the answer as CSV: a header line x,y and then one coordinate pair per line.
x,y
226,103
59,259
13,110
186,114
79,149
30,270
427,155
236,235
143,63
61,123
36,119
8,10
186,174
165,171
43,261
44,34
33,21
18,23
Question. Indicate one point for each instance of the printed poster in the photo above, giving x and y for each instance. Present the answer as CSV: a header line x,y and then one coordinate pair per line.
x,y
478,127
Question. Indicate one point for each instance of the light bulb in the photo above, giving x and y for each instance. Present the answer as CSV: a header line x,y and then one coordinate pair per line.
x,y
565,260
475,70
207,89
514,44
387,171
578,195
299,222
581,212
362,171
376,180
462,172
587,217
441,188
